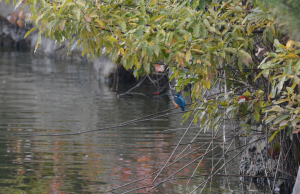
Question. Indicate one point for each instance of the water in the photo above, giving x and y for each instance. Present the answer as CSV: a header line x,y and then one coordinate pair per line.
x,y
44,96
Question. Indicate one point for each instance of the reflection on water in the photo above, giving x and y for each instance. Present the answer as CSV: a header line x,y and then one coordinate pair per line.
x,y
40,95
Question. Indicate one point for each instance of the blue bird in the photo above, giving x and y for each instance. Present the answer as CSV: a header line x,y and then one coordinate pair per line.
x,y
178,101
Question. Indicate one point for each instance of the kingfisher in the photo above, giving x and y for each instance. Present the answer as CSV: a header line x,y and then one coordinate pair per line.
x,y
178,101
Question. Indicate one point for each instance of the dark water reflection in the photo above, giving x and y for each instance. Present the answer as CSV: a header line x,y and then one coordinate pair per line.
x,y
40,95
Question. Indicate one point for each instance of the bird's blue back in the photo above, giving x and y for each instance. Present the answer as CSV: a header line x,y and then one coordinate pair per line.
x,y
180,101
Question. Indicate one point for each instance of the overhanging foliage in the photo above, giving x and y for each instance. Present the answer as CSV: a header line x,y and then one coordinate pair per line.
x,y
234,45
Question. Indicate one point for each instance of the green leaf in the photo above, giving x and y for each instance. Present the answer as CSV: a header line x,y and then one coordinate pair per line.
x,y
257,116
217,119
203,31
108,45
288,68
206,23
270,118
156,50
276,108
290,90
280,85
244,53
270,35
195,120
123,26
188,55
224,104
280,118
213,13
196,30
230,108
243,107
197,51
33,29
297,66
142,5
240,65
229,49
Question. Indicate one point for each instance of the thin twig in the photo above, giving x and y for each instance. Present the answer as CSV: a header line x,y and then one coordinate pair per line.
x,y
175,148
188,165
111,127
276,172
137,85
217,170
171,163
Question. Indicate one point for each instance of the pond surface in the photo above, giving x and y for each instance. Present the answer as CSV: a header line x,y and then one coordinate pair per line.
x,y
51,97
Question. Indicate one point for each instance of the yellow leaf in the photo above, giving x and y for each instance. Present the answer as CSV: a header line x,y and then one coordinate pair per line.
x,y
272,137
153,2
289,44
122,50
159,18
136,60
30,31
133,24
38,41
197,51
273,30
247,94
250,30
101,25
81,3
292,56
134,19
188,55
208,84
112,39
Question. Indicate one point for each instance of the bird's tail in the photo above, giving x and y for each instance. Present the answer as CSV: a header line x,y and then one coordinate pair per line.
x,y
182,108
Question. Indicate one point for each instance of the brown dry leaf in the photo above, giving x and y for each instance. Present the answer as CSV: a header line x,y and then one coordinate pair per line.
x,y
22,15
14,14
62,25
297,129
168,51
87,18
11,19
19,22
211,77
248,61
181,63
282,123
173,41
